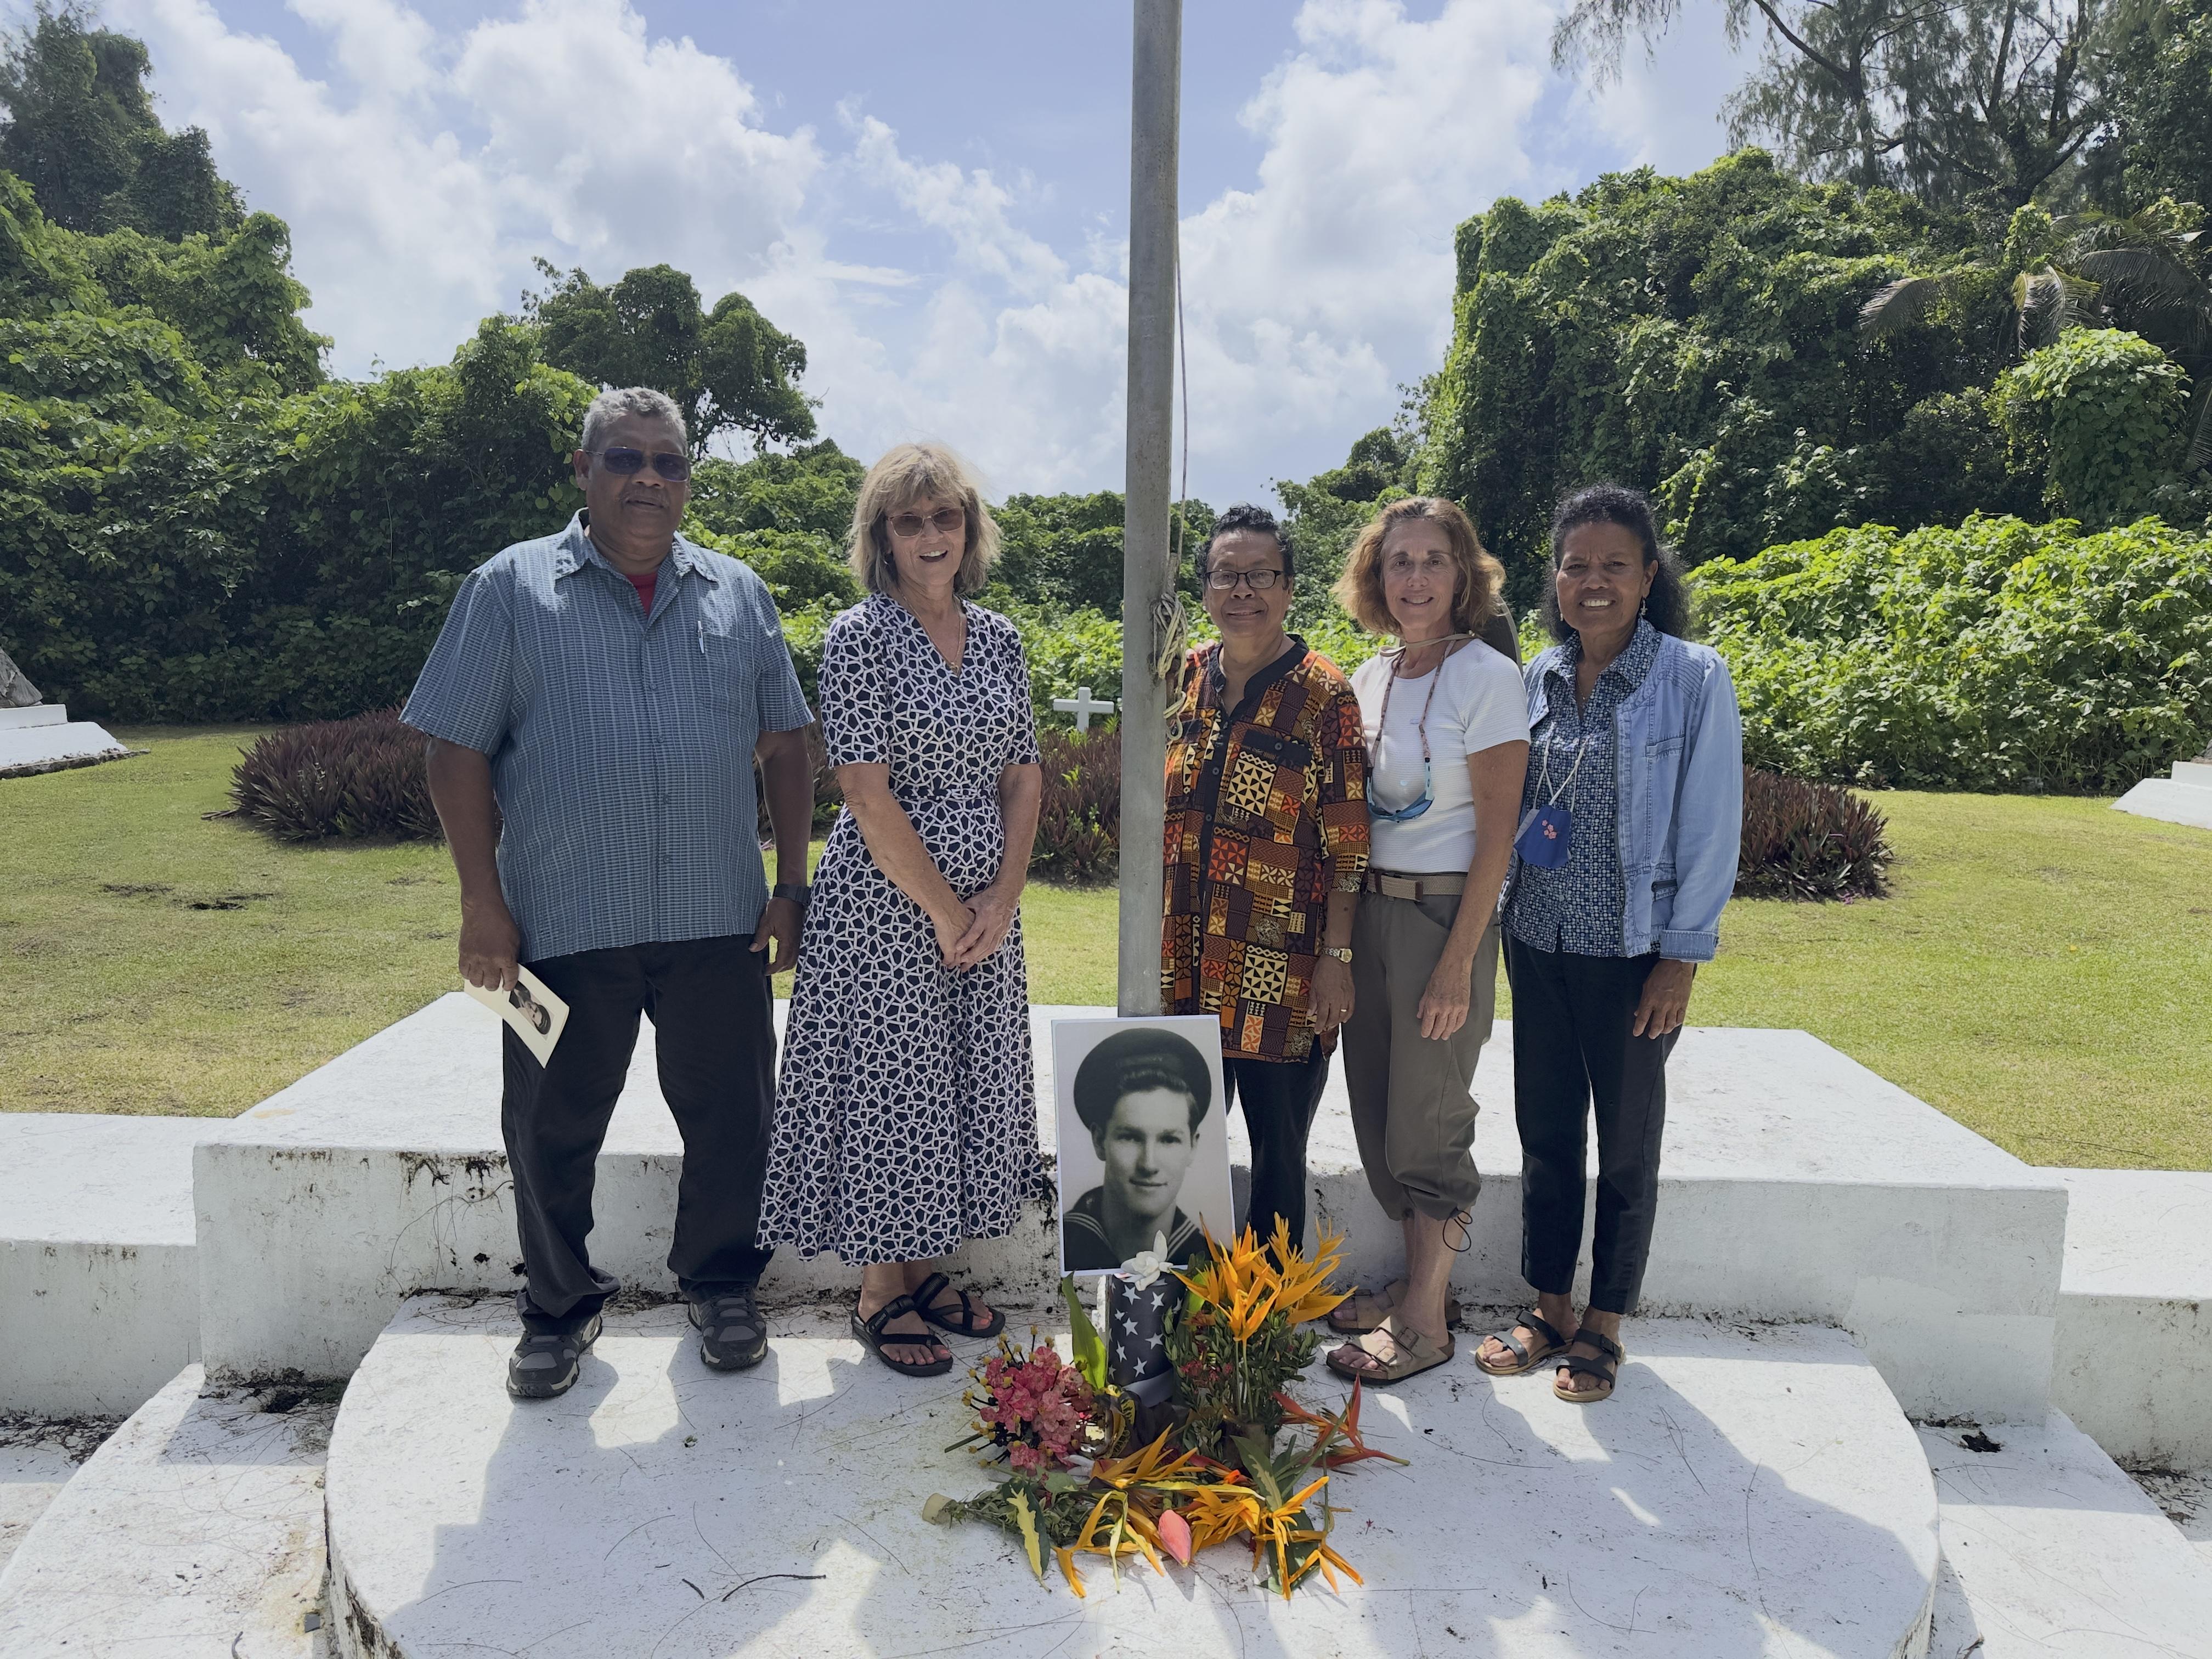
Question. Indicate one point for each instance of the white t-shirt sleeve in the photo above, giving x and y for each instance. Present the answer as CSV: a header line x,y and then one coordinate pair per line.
x,y
1493,707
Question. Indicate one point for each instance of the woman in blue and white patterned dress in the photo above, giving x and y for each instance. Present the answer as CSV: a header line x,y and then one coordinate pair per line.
x,y
905,1118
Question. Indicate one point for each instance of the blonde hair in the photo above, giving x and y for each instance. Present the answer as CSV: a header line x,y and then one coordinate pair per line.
x,y
903,475
1476,590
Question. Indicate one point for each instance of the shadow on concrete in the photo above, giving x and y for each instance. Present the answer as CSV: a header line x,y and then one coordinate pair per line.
x,y
1742,1494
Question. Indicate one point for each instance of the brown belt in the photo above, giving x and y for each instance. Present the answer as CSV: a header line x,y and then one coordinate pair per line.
x,y
1415,888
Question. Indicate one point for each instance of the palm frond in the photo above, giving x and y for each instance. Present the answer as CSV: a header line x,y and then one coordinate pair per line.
x,y
1899,305
2146,273
2046,304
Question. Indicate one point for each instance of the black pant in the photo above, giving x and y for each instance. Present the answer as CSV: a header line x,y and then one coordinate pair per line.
x,y
1280,1098
1572,1048
714,1028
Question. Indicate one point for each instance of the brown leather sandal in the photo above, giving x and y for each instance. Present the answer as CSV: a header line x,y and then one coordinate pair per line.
x,y
1411,1353
1346,1319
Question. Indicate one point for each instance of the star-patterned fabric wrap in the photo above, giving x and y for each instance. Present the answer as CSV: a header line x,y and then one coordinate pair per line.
x,y
1267,814
1136,1336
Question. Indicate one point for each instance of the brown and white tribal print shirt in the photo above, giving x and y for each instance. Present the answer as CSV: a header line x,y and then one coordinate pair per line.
x,y
1267,814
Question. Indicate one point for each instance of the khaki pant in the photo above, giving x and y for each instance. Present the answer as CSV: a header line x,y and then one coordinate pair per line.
x,y
1412,1105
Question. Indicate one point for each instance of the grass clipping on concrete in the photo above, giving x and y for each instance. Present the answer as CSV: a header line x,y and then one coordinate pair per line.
x,y
2039,973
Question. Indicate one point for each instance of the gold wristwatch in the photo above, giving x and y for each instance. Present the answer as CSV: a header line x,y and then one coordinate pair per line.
x,y
1341,952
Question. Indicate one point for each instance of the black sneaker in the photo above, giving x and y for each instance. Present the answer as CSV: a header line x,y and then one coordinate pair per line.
x,y
732,1335
545,1362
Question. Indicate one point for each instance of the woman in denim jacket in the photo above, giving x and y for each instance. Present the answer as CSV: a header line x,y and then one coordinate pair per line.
x,y
1631,822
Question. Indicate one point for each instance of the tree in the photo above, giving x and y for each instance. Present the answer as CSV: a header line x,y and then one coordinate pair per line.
x,y
1699,338
1959,101
728,370
82,132
2166,109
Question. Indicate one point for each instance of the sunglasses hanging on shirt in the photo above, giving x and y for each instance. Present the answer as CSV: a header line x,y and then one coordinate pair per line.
x,y
1548,826
1379,814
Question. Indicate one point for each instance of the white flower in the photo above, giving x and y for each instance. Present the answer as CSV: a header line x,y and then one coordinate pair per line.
x,y
1142,1268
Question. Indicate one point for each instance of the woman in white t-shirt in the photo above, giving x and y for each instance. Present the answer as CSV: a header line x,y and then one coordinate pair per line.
x,y
1447,729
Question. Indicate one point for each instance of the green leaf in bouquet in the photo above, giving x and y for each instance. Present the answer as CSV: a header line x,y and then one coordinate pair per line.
x,y
1090,1348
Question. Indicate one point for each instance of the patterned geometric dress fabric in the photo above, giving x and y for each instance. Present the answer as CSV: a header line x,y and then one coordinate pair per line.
x,y
905,1116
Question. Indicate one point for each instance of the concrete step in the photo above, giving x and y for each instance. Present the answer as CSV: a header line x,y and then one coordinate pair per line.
x,y
1797,1186
35,715
2133,1362
2185,798
48,747
1749,1491
38,1458
99,1282
194,1532
2056,1553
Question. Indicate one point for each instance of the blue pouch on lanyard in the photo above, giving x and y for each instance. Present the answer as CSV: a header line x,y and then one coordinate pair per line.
x,y
1542,837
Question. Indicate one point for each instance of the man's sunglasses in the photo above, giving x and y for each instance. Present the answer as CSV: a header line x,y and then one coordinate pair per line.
x,y
622,462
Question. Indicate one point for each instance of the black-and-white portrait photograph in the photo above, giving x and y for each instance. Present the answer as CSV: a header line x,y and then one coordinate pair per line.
x,y
1143,1141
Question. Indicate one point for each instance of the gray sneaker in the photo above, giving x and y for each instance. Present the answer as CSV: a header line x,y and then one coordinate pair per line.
x,y
732,1335
545,1362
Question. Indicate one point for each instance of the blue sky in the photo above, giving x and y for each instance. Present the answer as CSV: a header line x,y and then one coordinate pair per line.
x,y
933,198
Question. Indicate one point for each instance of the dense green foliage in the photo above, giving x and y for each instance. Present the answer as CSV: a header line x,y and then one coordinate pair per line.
x,y
1999,655
2099,414
1699,337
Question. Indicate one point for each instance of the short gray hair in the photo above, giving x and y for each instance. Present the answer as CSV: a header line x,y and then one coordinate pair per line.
x,y
610,406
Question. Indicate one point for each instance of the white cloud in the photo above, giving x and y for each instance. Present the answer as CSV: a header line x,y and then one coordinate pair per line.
x,y
424,174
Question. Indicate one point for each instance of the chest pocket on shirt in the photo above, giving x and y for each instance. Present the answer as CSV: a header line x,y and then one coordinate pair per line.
x,y
726,661
1267,780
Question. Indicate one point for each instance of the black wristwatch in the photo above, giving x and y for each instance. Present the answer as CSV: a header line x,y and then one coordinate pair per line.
x,y
795,892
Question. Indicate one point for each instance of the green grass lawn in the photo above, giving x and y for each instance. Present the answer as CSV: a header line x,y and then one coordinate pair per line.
x,y
2040,973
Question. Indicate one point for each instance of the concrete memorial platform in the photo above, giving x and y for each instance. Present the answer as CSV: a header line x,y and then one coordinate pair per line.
x,y
2183,798
42,737
194,1532
2057,1554
99,1281
2134,1357
1797,1185
1750,1490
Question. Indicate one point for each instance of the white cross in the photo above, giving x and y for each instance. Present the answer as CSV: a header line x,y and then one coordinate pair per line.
x,y
1082,707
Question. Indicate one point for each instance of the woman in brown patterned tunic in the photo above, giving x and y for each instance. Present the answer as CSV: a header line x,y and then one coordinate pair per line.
x,y
1265,849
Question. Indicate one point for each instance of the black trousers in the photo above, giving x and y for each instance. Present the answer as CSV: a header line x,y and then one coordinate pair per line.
x,y
1280,1098
1572,1052
713,1027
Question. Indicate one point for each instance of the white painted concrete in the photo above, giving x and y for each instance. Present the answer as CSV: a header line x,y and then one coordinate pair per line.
x,y
2133,1366
99,1291
2059,1555
45,742
194,1532
2183,798
1752,1492
37,714
2184,1498
35,1465
1797,1186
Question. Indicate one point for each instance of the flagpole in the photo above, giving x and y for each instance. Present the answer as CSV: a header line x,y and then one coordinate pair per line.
x,y
1147,572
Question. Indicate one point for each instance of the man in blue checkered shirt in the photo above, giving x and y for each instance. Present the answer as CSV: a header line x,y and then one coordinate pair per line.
x,y
595,705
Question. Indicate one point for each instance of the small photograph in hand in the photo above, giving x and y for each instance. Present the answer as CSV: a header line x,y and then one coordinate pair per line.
x,y
535,1013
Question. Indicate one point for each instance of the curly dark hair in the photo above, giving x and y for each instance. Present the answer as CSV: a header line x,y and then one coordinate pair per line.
x,y
1248,515
1667,608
